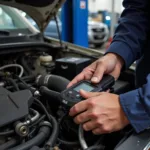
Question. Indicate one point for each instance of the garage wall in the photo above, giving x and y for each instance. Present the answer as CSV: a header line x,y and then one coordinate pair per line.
x,y
95,5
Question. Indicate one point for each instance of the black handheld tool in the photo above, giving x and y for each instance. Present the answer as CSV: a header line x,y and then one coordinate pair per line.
x,y
71,96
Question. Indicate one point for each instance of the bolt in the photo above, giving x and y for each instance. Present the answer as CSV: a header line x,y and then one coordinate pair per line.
x,y
23,130
36,93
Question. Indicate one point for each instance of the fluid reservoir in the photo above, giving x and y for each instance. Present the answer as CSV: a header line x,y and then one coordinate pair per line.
x,y
46,60
42,63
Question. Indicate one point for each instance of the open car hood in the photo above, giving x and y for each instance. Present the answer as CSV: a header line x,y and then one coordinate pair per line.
x,y
40,10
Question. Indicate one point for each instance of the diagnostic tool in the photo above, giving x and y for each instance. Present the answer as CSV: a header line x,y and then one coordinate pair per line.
x,y
71,96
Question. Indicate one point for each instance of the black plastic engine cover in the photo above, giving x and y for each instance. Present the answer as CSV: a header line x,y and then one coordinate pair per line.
x,y
135,142
13,106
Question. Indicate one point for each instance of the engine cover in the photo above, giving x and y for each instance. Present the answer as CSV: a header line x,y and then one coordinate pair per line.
x,y
14,106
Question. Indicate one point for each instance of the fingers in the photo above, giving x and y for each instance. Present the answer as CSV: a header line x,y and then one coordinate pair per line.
x,y
78,78
98,131
90,125
78,108
84,75
102,130
108,91
99,72
83,117
87,95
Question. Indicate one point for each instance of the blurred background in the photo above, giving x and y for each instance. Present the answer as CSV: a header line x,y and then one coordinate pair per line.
x,y
88,23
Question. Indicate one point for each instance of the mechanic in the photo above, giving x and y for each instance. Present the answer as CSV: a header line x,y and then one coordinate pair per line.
x,y
105,112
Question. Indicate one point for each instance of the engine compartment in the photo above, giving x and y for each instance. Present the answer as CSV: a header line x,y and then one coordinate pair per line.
x,y
32,115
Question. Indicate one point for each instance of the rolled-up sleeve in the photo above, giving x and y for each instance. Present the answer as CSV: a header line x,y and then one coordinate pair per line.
x,y
131,34
136,105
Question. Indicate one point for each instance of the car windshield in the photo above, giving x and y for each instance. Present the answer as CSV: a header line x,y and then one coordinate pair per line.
x,y
10,20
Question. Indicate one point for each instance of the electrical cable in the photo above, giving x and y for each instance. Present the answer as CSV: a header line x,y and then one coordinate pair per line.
x,y
27,86
36,141
55,132
14,65
81,138
9,144
6,133
76,143
13,83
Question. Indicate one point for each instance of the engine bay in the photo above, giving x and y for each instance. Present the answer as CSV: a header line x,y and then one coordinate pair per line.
x,y
32,115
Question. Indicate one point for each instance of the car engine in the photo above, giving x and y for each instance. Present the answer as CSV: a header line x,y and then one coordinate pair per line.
x,y
32,114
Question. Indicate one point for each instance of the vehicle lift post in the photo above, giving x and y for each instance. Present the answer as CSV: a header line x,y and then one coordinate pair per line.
x,y
75,22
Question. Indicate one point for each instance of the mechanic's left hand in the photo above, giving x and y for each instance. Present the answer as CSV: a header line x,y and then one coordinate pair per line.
x,y
101,113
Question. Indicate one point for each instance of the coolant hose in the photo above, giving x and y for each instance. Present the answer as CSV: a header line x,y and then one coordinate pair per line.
x,y
9,144
36,141
53,82
51,95
54,135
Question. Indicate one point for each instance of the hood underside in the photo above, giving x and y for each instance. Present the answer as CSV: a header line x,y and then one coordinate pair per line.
x,y
40,10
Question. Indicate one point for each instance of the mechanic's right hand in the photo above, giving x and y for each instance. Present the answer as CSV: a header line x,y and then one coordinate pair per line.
x,y
109,64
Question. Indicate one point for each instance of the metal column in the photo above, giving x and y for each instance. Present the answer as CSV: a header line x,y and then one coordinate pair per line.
x,y
113,20
75,22
66,18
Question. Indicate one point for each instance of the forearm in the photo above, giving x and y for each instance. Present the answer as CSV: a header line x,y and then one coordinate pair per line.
x,y
131,33
136,106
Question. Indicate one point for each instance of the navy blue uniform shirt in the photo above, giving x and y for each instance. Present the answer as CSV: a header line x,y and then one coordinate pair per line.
x,y
132,42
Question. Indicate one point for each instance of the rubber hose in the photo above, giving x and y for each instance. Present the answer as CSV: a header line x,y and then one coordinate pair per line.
x,y
14,65
37,148
53,82
30,78
100,147
51,95
13,83
68,143
36,141
7,133
55,132
23,87
9,144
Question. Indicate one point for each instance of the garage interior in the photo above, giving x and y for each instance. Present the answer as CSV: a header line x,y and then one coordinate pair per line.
x,y
44,45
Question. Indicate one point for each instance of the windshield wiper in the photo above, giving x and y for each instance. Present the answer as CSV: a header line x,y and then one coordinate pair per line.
x,y
4,33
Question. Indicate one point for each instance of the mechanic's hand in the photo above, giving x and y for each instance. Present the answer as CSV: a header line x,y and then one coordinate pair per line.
x,y
100,113
109,64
